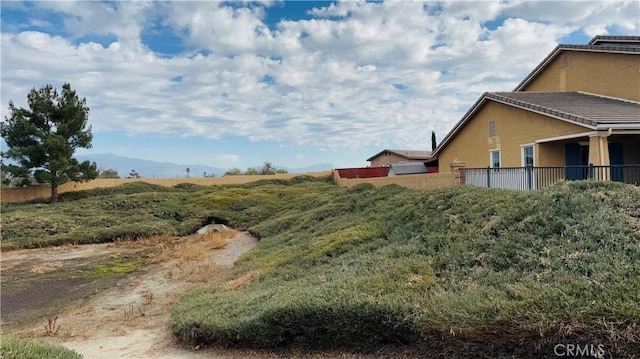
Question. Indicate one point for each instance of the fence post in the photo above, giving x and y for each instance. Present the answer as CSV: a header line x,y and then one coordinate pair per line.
x,y
454,168
488,176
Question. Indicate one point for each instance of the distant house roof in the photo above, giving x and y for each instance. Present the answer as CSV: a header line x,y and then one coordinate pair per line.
x,y
408,154
588,110
407,168
605,44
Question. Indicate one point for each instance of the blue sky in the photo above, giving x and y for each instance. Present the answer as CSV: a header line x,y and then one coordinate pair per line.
x,y
234,84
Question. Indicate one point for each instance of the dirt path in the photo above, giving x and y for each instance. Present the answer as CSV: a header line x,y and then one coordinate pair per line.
x,y
128,320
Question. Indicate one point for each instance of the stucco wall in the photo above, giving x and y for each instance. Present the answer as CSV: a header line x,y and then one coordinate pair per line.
x,y
616,75
550,154
514,127
386,159
423,181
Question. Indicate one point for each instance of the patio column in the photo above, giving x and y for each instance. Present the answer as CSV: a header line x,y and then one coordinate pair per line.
x,y
599,154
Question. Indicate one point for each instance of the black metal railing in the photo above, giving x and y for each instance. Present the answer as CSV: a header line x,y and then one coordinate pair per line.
x,y
529,178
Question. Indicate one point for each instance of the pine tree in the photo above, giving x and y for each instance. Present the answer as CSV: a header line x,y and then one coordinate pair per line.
x,y
43,138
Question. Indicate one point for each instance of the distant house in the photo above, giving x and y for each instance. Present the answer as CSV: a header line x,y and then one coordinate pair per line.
x,y
579,106
407,168
387,157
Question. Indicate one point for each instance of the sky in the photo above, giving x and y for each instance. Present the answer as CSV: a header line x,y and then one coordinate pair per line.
x,y
235,84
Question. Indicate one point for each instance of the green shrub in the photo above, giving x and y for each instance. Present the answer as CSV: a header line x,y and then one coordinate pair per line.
x,y
15,348
338,263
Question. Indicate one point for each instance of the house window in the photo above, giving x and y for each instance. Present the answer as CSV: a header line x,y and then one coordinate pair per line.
x,y
527,155
492,128
494,158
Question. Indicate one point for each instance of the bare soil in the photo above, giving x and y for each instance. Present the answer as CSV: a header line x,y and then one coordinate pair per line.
x,y
113,300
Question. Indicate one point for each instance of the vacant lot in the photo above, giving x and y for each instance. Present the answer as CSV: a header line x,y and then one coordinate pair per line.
x,y
456,272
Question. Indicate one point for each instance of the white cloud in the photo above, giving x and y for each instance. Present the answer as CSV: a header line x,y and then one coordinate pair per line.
x,y
359,74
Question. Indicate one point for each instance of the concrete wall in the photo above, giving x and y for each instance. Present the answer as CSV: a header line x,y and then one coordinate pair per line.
x,y
615,75
514,127
23,194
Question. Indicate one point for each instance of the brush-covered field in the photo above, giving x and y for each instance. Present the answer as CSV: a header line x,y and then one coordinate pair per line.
x,y
454,272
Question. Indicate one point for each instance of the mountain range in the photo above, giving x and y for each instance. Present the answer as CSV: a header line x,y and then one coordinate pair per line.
x,y
153,169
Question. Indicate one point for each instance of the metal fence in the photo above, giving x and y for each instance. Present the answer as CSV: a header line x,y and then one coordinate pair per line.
x,y
530,178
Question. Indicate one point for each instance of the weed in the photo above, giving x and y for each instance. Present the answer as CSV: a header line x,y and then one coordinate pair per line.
x,y
128,313
148,297
51,328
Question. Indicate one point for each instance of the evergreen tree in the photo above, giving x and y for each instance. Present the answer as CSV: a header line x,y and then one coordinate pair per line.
x,y
43,138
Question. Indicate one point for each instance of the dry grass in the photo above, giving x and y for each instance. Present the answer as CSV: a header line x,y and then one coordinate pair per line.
x,y
218,239
241,281
202,273
194,272
46,268
194,248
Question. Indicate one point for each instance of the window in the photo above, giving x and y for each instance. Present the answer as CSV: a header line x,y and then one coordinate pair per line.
x,y
492,128
527,155
494,158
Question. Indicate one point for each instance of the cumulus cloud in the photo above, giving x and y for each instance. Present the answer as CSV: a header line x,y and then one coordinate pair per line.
x,y
354,74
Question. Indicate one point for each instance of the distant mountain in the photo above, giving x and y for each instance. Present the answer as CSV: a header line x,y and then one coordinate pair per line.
x,y
147,168
153,169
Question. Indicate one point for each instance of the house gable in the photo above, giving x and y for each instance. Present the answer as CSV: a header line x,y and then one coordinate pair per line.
x,y
605,73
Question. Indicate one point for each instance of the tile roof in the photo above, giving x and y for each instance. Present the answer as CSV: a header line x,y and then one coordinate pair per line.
x,y
603,39
408,154
578,107
407,168
591,111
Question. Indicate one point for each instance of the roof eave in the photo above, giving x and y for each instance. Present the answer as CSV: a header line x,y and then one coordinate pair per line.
x,y
618,126
376,155
476,106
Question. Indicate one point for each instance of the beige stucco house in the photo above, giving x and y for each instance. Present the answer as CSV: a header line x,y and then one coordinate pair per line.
x,y
579,106
387,157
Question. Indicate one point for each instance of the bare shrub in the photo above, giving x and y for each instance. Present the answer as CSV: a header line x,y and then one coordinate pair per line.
x,y
51,328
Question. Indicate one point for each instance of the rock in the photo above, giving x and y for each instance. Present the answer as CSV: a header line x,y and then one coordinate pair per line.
x,y
212,228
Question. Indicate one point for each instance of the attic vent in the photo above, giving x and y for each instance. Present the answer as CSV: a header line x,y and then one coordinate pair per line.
x,y
565,61
492,128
